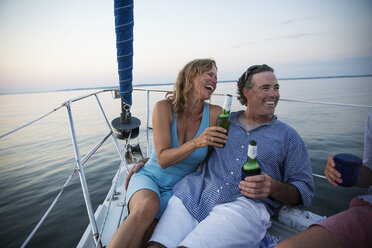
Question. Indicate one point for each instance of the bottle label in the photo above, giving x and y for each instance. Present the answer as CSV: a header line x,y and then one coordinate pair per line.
x,y
227,103
252,151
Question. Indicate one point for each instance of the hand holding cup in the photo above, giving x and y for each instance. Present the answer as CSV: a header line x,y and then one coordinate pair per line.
x,y
343,169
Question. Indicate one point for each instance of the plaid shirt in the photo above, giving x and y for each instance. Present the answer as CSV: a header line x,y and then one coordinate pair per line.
x,y
281,153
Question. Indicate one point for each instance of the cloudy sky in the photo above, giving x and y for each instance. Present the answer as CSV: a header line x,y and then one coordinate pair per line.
x,y
59,44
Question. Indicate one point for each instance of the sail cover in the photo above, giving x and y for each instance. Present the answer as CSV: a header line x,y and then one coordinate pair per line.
x,y
123,10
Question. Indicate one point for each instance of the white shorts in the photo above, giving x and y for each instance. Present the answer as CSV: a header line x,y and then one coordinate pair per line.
x,y
241,223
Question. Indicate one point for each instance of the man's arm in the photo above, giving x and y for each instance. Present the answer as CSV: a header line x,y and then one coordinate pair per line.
x,y
285,193
365,177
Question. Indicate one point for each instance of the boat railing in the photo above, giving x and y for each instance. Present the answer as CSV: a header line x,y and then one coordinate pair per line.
x,y
80,161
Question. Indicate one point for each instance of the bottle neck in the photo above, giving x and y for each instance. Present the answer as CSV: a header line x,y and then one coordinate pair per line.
x,y
225,112
252,151
227,104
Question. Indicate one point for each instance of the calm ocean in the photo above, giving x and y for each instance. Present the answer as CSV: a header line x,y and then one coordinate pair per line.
x,y
36,161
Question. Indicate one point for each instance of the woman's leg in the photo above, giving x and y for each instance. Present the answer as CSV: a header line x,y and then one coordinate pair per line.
x,y
143,207
149,232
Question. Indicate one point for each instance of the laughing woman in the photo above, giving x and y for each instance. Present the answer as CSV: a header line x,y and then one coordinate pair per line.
x,y
184,125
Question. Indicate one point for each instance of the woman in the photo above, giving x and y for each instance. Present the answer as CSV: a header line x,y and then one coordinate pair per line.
x,y
183,128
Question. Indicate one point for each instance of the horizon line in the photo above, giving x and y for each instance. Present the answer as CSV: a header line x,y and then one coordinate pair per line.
x,y
159,84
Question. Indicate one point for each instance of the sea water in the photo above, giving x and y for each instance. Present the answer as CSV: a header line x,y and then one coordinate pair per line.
x,y
36,161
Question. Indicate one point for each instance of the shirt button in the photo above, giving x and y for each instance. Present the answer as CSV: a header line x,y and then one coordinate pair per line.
x,y
237,159
232,173
221,187
218,191
247,133
227,183
242,146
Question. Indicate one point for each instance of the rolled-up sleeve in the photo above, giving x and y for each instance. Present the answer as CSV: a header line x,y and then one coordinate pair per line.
x,y
298,170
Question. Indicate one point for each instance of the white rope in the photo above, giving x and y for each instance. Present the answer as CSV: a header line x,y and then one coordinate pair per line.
x,y
320,176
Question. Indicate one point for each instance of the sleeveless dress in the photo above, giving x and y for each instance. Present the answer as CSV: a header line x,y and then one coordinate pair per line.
x,y
161,181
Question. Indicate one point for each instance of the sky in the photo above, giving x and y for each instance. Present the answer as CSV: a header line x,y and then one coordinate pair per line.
x,y
63,44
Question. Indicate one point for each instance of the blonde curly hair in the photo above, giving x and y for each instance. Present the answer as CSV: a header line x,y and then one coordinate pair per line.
x,y
183,85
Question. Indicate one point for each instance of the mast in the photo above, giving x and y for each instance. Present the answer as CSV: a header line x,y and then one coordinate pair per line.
x,y
125,126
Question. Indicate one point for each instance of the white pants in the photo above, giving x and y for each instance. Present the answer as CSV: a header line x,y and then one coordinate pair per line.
x,y
241,223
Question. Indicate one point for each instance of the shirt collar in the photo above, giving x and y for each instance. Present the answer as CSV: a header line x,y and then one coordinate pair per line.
x,y
235,115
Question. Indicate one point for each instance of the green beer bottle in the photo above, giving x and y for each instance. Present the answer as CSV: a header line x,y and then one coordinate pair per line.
x,y
251,167
223,119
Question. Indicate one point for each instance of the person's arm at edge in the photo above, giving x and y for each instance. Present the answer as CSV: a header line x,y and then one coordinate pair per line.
x,y
365,177
334,177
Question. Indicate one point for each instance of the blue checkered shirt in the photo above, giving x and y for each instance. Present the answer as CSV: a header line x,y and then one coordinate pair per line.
x,y
281,153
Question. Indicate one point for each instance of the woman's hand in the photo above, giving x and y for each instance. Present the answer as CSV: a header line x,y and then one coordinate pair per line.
x,y
135,168
212,136
333,176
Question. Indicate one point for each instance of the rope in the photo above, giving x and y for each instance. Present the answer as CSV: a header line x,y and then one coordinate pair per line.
x,y
29,123
328,103
48,211
52,111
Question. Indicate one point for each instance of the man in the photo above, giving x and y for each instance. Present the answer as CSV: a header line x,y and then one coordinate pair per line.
x,y
213,208
352,227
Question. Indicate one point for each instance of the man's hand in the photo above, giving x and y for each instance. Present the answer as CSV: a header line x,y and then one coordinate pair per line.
x,y
256,186
262,186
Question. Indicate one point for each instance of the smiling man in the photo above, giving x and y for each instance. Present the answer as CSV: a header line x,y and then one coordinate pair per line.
x,y
214,208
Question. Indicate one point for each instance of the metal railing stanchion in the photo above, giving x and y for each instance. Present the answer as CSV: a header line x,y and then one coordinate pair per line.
x,y
83,181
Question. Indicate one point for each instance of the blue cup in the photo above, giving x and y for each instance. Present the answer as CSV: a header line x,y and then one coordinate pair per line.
x,y
349,166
